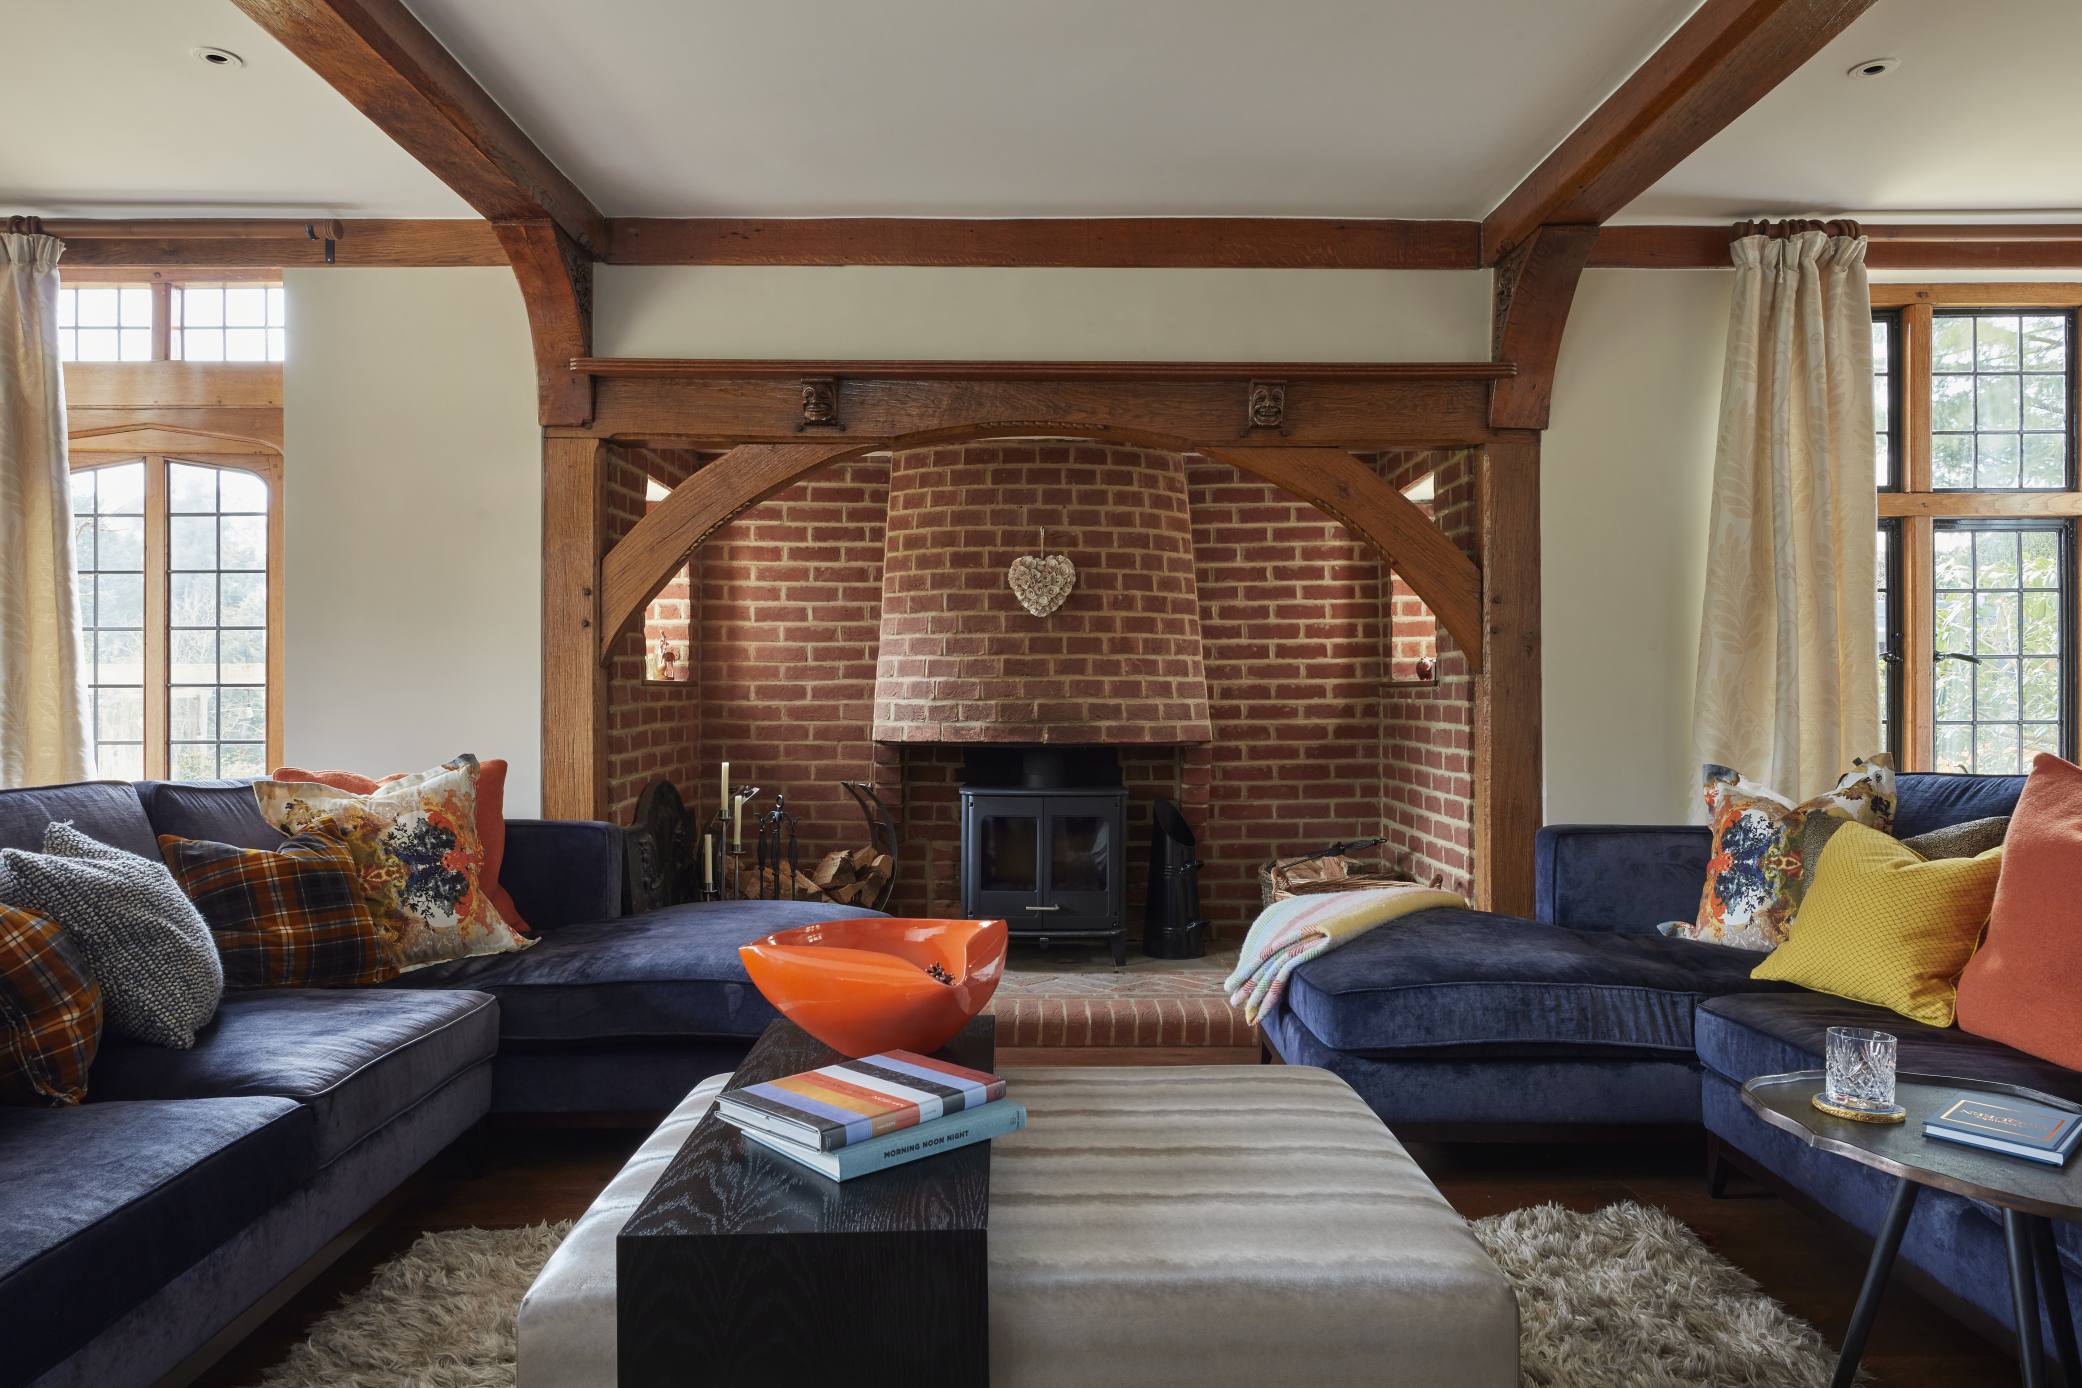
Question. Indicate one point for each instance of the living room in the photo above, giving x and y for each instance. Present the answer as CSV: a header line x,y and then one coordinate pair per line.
x,y
1408,716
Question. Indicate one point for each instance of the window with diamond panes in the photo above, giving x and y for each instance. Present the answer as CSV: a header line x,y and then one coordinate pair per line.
x,y
2000,402
2001,678
228,322
105,322
108,519
217,610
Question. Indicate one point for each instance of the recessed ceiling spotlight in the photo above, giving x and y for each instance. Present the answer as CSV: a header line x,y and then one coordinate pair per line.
x,y
1872,67
218,57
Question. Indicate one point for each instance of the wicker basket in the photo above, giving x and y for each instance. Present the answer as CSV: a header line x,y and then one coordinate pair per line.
x,y
1326,872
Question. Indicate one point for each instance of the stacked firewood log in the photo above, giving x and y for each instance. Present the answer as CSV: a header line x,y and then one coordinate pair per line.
x,y
846,877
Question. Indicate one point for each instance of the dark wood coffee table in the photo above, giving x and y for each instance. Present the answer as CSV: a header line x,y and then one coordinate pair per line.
x,y
742,1267
2028,1195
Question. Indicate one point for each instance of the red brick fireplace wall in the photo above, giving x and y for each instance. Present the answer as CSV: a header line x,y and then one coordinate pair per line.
x,y
1118,662
1311,741
653,729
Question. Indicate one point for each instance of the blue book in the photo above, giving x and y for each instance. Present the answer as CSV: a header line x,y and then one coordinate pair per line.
x,y
2012,1127
930,1139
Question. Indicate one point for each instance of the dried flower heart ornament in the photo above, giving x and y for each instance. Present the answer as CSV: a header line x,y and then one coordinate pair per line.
x,y
1042,582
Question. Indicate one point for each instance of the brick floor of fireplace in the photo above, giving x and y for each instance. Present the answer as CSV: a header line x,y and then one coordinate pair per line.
x,y
1077,998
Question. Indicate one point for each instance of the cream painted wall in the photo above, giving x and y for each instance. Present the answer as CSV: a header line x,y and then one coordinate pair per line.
x,y
1625,472
412,522
1056,314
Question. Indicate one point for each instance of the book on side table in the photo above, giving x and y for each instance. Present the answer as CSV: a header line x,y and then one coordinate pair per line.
x,y
2010,1126
858,1116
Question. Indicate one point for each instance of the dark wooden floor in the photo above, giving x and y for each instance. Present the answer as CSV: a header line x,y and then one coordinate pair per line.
x,y
505,1177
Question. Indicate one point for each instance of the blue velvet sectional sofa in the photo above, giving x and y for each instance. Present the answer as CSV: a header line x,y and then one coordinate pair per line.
x,y
138,1226
1457,1023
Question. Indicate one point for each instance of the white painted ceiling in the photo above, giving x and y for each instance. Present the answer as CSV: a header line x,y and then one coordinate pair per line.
x,y
1406,108
1412,108
1982,116
110,116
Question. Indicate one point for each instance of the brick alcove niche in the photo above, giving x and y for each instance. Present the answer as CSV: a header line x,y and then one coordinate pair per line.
x,y
1307,721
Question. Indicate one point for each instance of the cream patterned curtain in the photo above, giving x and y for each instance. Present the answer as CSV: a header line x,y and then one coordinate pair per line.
x,y
1788,689
43,698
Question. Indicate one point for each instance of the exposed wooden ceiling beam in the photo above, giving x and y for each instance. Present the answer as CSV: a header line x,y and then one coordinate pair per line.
x,y
1898,246
1717,65
1099,242
374,53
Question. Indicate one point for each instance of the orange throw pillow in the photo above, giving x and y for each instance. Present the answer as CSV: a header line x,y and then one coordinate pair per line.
x,y
2020,988
491,821
491,832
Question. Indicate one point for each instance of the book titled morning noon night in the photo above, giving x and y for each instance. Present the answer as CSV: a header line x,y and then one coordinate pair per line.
x,y
2012,1127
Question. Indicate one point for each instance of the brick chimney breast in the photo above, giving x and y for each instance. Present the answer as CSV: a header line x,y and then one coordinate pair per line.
x,y
961,661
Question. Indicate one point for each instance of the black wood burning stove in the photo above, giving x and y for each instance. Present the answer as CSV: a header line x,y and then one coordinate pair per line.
x,y
1045,847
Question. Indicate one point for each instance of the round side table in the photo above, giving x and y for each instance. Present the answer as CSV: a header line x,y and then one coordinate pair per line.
x,y
2028,1194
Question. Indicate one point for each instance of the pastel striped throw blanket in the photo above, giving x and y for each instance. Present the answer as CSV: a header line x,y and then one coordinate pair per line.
x,y
1287,934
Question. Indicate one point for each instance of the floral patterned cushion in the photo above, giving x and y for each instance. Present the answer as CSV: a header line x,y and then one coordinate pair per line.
x,y
417,855
1753,880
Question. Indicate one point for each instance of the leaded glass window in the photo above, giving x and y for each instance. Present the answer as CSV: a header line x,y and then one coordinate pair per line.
x,y
2001,681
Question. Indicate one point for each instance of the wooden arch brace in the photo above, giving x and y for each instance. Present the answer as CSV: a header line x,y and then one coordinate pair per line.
x,y
556,284
1329,479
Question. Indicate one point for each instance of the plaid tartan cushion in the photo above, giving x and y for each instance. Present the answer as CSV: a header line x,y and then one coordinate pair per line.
x,y
293,917
50,1012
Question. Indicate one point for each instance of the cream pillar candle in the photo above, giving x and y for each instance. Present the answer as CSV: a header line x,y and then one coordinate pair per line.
x,y
708,862
725,802
737,830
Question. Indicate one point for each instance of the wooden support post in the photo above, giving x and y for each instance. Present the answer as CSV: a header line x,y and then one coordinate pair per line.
x,y
574,678
1509,773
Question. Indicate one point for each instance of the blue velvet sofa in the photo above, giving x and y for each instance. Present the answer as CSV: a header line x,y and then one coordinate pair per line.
x,y
138,1226
1463,1024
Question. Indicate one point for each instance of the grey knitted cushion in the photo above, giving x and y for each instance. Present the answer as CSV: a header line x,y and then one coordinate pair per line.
x,y
143,939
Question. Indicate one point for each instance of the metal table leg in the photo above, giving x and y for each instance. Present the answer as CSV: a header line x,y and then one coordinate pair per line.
x,y
2053,1295
2024,1295
1876,1273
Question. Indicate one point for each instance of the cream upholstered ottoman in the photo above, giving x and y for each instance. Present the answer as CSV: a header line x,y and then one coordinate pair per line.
x,y
1204,1225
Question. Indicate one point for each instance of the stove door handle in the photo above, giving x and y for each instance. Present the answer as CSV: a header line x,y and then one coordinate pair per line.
x,y
1044,908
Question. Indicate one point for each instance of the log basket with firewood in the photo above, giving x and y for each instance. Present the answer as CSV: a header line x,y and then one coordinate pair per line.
x,y
663,865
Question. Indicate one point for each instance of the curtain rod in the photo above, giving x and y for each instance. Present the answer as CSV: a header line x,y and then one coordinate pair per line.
x,y
1927,232
191,229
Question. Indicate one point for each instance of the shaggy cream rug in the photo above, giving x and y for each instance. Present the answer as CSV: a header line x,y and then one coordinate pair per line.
x,y
1629,1298
1624,1298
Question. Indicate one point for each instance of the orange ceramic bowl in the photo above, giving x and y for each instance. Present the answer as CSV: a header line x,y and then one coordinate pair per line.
x,y
862,986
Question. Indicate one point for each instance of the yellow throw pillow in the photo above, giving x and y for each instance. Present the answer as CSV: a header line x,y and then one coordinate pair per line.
x,y
1884,925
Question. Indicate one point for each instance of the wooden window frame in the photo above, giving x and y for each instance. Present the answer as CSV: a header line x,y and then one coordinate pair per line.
x,y
157,674
162,283
1916,506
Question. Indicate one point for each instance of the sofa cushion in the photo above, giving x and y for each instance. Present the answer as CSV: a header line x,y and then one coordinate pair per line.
x,y
1770,1034
667,973
357,1058
105,810
1466,980
214,811
1926,800
139,933
106,1203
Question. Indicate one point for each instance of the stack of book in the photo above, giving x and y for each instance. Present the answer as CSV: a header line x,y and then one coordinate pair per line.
x,y
2013,1127
858,1116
